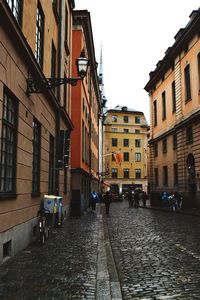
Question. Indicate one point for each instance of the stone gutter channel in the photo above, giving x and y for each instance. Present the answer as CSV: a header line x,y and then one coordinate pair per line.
x,y
108,286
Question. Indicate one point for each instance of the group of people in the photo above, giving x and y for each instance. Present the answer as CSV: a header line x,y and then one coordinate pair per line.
x,y
175,199
135,196
94,199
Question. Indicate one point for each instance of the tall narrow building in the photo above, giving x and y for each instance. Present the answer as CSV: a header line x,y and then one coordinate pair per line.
x,y
86,108
125,149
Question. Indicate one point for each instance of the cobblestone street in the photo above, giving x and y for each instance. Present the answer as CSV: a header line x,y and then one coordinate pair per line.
x,y
156,255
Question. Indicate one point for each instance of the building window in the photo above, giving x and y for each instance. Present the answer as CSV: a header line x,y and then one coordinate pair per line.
x,y
199,69
114,119
114,129
114,142
189,135
126,156
155,112
164,105
39,36
155,149
16,8
174,141
156,176
113,157
175,174
65,96
126,173
164,146
165,176
125,118
173,97
137,173
137,156
137,143
66,31
137,120
114,172
36,157
8,144
126,142
53,62
187,83
126,130
137,130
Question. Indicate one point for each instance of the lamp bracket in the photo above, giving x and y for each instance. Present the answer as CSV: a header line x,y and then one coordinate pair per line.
x,y
39,86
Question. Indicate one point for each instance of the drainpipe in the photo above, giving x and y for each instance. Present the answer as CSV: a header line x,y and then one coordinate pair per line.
x,y
58,115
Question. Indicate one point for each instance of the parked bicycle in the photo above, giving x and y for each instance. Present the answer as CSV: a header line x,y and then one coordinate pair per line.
x,y
43,225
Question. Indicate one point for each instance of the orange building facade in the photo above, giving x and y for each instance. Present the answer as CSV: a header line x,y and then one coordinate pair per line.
x,y
85,109
174,90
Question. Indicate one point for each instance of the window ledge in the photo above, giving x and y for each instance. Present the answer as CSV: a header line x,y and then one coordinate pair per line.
x,y
4,195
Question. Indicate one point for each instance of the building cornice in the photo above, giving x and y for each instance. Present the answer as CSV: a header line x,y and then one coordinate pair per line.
x,y
182,38
182,123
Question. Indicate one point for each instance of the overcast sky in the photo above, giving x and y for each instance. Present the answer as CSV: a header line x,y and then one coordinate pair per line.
x,y
134,36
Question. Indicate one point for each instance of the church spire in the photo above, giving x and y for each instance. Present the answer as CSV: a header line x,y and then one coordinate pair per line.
x,y
101,79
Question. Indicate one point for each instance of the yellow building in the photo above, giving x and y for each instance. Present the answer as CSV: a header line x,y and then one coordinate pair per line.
x,y
125,134
174,139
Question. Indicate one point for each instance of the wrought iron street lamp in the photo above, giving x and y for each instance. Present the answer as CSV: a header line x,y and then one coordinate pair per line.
x,y
41,85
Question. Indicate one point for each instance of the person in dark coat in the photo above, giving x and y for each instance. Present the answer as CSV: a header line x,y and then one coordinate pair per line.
x,y
93,200
130,198
107,200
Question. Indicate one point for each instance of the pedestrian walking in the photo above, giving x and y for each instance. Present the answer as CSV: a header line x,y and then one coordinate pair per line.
x,y
107,200
144,198
136,199
130,198
94,198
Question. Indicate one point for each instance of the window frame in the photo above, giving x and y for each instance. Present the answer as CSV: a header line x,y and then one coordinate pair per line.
x,y
114,142
16,11
137,143
138,173
137,120
126,142
155,113
189,135
173,96
188,94
114,173
126,156
138,157
36,163
164,112
165,176
114,118
10,110
126,119
126,173
39,40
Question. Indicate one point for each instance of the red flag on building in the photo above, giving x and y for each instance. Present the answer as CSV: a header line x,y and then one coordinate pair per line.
x,y
118,158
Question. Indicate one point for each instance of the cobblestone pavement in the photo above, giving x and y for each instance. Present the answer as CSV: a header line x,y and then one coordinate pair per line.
x,y
157,253
64,268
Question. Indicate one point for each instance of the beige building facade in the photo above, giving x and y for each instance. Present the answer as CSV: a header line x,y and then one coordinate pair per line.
x,y
125,135
35,44
174,91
